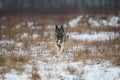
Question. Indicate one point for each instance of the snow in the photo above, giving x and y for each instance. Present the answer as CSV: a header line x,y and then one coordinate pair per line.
x,y
29,24
75,21
50,27
18,26
113,21
101,72
96,21
24,35
45,34
33,25
70,71
94,36
110,21
13,75
28,68
93,22
34,36
19,45
6,42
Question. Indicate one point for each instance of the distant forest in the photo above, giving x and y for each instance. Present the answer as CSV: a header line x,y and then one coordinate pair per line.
x,y
56,6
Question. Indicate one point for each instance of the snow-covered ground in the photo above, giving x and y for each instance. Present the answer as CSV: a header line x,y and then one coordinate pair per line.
x,y
110,21
69,71
46,66
74,22
94,36
96,21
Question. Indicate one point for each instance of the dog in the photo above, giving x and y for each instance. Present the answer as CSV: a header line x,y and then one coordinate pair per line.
x,y
61,39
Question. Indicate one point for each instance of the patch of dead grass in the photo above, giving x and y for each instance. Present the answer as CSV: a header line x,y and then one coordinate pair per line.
x,y
13,61
116,61
72,70
104,50
35,75
82,28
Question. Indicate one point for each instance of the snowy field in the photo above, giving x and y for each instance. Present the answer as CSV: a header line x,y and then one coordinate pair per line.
x,y
92,52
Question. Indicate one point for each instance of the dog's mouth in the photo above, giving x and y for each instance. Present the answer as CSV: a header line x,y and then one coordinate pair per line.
x,y
59,41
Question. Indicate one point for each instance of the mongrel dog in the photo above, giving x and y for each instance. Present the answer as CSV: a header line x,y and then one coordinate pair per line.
x,y
60,39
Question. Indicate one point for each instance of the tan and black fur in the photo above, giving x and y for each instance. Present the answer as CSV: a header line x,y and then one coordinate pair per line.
x,y
60,39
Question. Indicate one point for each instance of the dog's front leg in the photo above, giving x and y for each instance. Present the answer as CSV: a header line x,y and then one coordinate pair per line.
x,y
62,48
57,50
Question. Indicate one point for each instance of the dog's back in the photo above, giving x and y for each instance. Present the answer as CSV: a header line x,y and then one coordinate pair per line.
x,y
65,37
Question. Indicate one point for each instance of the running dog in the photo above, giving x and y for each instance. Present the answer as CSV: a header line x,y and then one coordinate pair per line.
x,y
60,39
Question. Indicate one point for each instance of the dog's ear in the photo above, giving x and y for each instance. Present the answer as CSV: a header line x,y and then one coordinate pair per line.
x,y
56,29
62,29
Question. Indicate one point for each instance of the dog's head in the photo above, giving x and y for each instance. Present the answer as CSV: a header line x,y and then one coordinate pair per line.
x,y
59,32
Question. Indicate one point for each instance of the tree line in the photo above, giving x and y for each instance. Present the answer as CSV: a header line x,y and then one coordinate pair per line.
x,y
57,5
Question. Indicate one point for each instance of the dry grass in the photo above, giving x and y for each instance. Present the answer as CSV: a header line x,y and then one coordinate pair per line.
x,y
82,28
71,70
41,19
108,50
35,75
104,50
13,61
